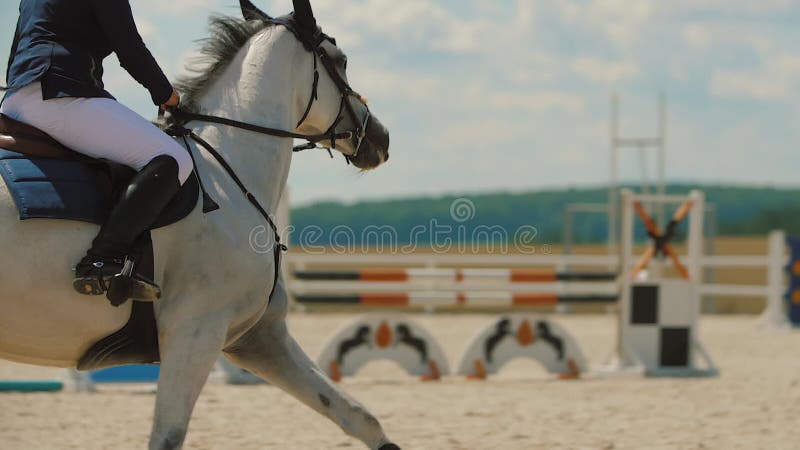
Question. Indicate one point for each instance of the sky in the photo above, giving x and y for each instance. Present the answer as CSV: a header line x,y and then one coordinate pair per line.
x,y
514,95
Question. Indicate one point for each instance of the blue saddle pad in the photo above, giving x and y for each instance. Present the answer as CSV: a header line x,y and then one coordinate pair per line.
x,y
75,190
56,189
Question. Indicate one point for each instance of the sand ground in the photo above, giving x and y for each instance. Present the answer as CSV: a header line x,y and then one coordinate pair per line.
x,y
754,404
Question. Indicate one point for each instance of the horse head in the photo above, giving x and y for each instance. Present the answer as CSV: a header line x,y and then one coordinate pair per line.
x,y
334,107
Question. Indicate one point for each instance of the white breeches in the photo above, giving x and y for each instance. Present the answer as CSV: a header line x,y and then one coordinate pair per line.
x,y
98,127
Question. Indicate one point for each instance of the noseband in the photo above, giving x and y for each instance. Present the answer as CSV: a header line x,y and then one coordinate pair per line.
x,y
312,41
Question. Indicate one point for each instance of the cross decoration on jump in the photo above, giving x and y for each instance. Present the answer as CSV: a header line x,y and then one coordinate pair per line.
x,y
661,241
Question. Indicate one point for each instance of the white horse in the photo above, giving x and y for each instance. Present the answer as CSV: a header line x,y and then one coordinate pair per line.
x,y
215,286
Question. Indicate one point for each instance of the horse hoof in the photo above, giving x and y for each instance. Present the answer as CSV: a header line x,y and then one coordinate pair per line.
x,y
389,447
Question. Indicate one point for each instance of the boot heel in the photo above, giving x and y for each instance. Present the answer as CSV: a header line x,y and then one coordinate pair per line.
x,y
120,289
127,286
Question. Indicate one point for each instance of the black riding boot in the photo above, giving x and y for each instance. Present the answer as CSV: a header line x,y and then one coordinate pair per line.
x,y
106,268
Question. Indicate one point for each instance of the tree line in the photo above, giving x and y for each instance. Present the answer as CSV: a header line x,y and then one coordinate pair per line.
x,y
737,210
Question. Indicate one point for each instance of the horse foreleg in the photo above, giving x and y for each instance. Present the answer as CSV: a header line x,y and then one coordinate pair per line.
x,y
271,353
188,354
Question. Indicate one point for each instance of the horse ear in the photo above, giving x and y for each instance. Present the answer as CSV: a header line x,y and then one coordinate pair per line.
x,y
304,14
251,11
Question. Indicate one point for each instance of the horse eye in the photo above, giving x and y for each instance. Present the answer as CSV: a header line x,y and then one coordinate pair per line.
x,y
344,62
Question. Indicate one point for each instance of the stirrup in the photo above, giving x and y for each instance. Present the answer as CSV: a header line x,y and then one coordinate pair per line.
x,y
118,285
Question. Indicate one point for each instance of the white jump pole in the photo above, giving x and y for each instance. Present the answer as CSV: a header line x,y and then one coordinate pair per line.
x,y
774,315
623,359
695,235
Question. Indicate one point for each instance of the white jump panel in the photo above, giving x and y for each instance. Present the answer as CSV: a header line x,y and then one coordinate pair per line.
x,y
522,336
377,336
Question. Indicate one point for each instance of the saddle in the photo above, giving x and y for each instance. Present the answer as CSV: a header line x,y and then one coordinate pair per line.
x,y
50,181
18,137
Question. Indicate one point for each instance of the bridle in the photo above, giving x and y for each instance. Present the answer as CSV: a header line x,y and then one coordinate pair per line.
x,y
321,56
312,41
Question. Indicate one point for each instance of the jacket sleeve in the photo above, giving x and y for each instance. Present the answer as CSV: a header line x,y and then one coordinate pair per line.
x,y
116,19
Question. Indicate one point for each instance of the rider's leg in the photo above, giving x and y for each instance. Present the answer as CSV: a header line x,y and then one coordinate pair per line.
x,y
137,209
103,128
98,127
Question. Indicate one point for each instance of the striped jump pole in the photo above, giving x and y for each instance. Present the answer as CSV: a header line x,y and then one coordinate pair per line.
x,y
455,275
454,299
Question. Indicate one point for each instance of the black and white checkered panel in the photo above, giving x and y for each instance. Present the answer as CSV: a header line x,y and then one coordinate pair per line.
x,y
661,321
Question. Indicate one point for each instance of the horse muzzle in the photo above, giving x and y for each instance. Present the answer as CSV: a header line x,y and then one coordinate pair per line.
x,y
374,149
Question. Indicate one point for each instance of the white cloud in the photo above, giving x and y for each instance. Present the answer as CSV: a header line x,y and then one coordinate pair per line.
x,y
175,7
697,36
604,72
147,29
621,21
392,85
728,7
715,36
525,14
541,101
470,135
778,81
426,24
408,23
543,72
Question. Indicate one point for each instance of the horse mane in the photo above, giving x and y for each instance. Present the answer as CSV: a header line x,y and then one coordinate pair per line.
x,y
227,36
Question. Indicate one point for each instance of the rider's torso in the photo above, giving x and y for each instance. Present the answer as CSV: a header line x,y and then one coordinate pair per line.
x,y
61,43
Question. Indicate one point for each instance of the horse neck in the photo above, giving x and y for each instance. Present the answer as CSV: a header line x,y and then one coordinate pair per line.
x,y
258,88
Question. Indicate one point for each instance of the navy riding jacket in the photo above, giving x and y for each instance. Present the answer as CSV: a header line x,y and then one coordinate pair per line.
x,y
62,43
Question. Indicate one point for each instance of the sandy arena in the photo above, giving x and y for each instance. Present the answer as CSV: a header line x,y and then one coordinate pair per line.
x,y
754,404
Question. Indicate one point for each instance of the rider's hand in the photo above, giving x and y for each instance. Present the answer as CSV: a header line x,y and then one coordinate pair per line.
x,y
173,102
